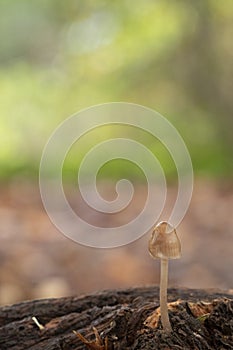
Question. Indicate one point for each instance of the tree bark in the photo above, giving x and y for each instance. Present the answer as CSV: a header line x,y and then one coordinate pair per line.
x,y
124,319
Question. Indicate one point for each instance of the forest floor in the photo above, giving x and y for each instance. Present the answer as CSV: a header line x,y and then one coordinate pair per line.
x,y
37,261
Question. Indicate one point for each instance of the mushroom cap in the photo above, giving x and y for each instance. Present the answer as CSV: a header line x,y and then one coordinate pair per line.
x,y
164,242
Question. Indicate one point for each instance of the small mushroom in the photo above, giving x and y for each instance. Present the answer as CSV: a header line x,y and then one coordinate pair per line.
x,y
164,244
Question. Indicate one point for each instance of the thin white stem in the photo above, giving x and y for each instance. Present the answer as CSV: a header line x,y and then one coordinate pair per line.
x,y
163,296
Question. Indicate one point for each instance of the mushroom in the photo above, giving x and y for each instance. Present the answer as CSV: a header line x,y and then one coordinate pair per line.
x,y
164,244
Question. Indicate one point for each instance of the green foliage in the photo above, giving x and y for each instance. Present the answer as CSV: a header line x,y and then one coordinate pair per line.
x,y
58,57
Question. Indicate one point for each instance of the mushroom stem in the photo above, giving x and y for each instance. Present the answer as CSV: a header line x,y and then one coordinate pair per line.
x,y
163,295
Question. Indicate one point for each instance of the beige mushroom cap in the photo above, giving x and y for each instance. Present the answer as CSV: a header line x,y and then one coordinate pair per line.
x,y
164,242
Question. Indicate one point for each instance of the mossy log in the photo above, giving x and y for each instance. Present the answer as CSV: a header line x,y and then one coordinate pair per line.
x,y
120,319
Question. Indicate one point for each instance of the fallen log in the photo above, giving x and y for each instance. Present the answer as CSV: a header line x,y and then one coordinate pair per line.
x,y
122,319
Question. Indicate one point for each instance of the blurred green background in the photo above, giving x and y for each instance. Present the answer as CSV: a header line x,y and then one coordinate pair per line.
x,y
58,57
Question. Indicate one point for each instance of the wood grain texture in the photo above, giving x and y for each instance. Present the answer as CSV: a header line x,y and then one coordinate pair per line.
x,y
201,319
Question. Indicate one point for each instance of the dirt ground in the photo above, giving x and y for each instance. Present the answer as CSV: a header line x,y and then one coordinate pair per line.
x,y
37,261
